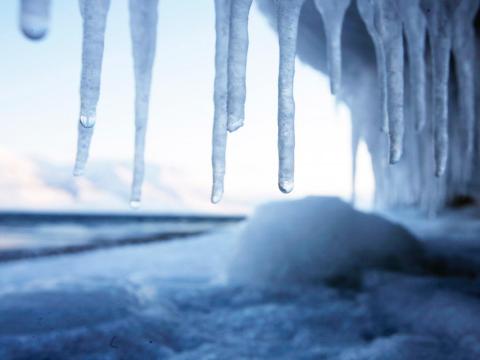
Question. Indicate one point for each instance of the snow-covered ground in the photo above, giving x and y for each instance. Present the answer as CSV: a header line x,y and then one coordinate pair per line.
x,y
186,300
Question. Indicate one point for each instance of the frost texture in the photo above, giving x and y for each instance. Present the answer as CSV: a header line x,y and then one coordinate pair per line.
x,y
143,29
333,12
34,18
94,15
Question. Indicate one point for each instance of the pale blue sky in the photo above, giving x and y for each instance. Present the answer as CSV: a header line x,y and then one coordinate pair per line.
x,y
39,100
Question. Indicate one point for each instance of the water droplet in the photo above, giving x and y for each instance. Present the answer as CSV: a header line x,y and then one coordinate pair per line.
x,y
88,121
217,196
286,186
135,204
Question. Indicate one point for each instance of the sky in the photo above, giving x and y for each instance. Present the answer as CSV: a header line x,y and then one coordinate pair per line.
x,y
39,103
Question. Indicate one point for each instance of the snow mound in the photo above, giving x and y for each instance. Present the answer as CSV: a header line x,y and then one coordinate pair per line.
x,y
318,238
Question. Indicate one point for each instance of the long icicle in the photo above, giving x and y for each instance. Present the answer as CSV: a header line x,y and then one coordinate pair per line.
x,y
34,18
333,13
219,143
389,26
440,35
464,52
355,141
367,11
415,26
288,13
237,62
94,14
143,30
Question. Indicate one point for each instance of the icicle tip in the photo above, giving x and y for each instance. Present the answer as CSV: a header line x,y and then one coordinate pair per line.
x,y
234,123
135,204
286,186
34,33
217,193
78,171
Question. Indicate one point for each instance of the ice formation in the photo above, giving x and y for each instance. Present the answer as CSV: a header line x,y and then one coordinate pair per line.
x,y
237,21
219,142
384,23
440,35
415,27
288,13
143,28
333,12
426,107
367,10
34,18
94,15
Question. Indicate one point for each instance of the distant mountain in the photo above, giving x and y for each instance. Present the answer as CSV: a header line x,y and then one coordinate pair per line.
x,y
36,184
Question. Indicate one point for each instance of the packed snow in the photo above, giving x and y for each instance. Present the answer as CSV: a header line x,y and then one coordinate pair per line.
x,y
318,239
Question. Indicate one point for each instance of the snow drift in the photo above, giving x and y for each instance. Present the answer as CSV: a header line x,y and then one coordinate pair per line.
x,y
318,238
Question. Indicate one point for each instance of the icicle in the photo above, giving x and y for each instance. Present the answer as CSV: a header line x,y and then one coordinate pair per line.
x,y
143,30
94,14
389,26
333,12
237,62
355,141
288,13
34,18
219,143
440,34
368,10
415,25
464,52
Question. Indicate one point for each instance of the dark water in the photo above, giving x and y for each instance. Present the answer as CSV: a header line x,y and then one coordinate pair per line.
x,y
27,235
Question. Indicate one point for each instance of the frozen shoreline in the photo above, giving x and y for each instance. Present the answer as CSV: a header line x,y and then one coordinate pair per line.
x,y
172,300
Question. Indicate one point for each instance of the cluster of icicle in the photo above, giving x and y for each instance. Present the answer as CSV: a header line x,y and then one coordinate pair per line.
x,y
446,23
34,16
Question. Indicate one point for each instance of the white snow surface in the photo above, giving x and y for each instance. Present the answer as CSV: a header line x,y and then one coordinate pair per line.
x,y
317,238
173,300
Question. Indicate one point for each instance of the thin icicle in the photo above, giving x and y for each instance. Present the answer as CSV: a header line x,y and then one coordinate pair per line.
x,y
143,30
34,18
94,14
237,62
389,26
355,141
333,12
219,143
415,25
440,34
464,52
288,13
368,12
